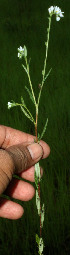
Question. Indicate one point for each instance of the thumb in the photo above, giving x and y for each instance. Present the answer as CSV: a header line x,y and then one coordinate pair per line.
x,y
25,156
15,159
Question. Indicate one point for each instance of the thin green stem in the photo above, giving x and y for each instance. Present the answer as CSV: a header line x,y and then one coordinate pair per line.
x,y
47,43
30,81
36,122
43,72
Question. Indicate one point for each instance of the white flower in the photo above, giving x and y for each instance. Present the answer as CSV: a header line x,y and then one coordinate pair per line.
x,y
9,105
61,14
57,18
19,55
51,9
20,49
57,11
20,52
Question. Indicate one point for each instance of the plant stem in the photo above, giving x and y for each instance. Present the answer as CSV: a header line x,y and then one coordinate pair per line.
x,y
44,69
40,173
36,128
30,81
37,105
40,207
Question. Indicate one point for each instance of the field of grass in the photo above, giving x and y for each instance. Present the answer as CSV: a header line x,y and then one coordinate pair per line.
x,y
25,22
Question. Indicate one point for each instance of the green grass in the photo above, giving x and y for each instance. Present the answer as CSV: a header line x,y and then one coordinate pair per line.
x,y
25,22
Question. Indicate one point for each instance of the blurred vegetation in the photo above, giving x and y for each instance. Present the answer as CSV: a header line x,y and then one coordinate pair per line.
x,y
25,22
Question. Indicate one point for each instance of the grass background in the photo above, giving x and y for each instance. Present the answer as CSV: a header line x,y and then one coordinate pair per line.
x,y
24,22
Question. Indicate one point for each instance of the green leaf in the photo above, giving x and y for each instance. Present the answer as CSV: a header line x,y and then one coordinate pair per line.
x,y
47,74
38,136
26,110
29,61
25,51
44,129
31,97
25,69
37,171
42,72
42,215
38,202
48,28
41,246
26,114
37,239
22,100
46,44
37,174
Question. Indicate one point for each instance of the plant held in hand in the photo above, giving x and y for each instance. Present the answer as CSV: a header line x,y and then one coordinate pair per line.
x,y
22,52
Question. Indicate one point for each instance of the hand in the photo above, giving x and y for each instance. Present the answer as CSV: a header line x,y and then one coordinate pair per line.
x,y
10,142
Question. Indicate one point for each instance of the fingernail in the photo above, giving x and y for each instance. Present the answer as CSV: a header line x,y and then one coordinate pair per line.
x,y
36,151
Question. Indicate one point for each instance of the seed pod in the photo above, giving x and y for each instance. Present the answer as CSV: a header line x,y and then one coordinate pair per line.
x,y
14,159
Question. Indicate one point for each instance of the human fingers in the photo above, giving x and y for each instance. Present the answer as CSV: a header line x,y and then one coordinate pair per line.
x,y
10,210
10,136
29,174
20,190
6,135
16,159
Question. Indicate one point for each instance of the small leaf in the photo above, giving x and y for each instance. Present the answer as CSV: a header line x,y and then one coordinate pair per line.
x,y
44,129
37,171
48,28
38,202
42,72
42,215
37,174
22,100
38,135
25,51
47,74
41,246
26,114
25,69
31,97
37,239
46,44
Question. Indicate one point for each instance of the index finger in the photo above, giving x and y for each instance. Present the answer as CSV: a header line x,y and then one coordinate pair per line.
x,y
10,136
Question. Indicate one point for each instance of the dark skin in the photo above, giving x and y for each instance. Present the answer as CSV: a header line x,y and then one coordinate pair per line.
x,y
19,189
